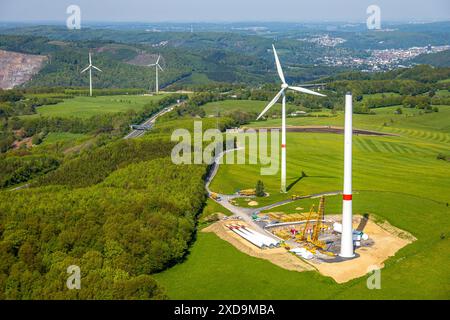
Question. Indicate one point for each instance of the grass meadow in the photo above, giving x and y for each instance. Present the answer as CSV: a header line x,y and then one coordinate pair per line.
x,y
396,178
85,107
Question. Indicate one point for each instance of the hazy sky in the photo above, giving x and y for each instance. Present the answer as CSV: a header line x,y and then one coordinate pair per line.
x,y
224,10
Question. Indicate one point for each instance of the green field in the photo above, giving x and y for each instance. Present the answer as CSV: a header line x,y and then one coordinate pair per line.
x,y
397,178
63,137
216,270
389,163
443,93
251,106
412,122
85,107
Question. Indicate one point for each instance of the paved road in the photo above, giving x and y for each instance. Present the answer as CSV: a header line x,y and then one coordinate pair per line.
x,y
150,122
246,213
215,166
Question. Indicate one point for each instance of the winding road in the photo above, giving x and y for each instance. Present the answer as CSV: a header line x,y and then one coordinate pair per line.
x,y
246,213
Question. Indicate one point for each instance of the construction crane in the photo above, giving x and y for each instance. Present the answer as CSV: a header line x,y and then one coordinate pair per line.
x,y
308,219
313,240
320,217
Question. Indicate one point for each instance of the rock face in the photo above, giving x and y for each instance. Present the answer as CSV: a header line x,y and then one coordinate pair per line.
x,y
17,68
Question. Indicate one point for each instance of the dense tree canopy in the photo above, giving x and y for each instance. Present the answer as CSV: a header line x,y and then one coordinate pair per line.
x,y
138,221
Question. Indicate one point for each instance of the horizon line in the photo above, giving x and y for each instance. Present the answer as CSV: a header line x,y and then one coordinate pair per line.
x,y
219,22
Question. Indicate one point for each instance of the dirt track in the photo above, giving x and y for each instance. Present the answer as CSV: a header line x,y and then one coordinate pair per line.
x,y
387,241
279,256
328,129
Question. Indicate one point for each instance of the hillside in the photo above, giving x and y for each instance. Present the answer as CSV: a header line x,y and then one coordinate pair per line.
x,y
439,59
18,68
190,59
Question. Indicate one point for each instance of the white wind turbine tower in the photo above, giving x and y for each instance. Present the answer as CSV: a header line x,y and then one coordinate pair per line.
x,y
157,66
282,93
89,67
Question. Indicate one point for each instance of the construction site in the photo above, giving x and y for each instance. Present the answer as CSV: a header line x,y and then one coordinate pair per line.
x,y
310,236
342,246
312,241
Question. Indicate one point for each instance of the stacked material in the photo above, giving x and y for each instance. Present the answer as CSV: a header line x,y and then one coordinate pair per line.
x,y
256,238
302,252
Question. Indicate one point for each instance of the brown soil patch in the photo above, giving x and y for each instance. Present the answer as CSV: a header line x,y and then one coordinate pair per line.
x,y
215,216
143,59
19,143
387,241
78,148
279,256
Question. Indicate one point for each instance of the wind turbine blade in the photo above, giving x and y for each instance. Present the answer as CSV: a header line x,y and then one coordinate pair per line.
x,y
160,67
90,59
300,89
157,61
97,68
85,69
277,62
271,103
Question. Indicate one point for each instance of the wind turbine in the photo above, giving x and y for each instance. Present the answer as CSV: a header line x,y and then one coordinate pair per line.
x,y
282,93
157,66
89,67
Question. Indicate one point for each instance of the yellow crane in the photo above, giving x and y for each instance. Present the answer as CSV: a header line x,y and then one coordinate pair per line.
x,y
308,219
319,216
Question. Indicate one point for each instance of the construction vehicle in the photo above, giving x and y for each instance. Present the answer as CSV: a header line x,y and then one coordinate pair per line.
x,y
215,196
308,220
295,197
328,253
320,217
313,239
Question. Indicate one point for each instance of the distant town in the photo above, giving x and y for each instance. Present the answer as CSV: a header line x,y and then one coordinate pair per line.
x,y
376,60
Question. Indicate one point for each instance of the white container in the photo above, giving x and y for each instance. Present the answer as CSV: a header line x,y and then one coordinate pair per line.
x,y
337,227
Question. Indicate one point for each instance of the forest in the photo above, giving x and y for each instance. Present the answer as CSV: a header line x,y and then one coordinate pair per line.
x,y
121,212
120,209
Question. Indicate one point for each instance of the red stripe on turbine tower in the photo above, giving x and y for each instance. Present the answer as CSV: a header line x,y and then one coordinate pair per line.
x,y
283,146
347,196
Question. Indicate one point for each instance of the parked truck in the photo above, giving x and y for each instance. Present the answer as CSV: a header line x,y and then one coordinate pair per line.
x,y
215,196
